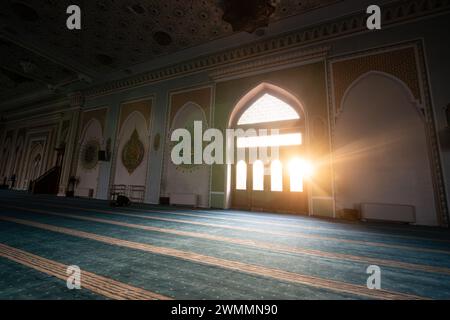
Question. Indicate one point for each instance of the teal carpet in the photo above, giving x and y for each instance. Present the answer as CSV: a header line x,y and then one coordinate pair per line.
x,y
415,261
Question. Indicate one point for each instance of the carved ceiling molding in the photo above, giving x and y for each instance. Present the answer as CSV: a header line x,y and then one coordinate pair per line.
x,y
120,34
49,108
76,99
394,13
273,61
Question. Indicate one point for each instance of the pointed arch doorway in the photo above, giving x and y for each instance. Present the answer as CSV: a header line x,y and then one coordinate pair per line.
x,y
266,181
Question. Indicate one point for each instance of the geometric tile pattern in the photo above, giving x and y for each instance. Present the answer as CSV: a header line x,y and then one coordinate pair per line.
x,y
399,63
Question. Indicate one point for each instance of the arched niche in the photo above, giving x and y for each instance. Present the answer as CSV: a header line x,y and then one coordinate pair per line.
x,y
88,167
380,148
132,151
186,178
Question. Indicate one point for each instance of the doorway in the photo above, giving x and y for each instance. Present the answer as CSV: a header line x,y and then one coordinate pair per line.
x,y
261,179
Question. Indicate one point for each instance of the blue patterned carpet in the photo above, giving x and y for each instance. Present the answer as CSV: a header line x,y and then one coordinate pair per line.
x,y
172,253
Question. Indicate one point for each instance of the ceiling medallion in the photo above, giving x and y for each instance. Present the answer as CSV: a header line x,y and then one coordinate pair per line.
x,y
162,38
136,8
154,10
179,12
104,59
27,66
248,15
203,15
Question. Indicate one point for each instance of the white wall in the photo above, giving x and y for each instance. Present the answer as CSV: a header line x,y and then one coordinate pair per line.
x,y
381,150
179,180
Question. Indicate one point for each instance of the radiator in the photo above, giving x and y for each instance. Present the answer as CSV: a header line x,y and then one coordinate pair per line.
x,y
388,212
184,199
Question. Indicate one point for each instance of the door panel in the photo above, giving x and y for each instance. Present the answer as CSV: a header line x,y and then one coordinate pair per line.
x,y
267,200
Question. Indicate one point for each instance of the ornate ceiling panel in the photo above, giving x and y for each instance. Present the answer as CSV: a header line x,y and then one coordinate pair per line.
x,y
12,84
22,70
117,34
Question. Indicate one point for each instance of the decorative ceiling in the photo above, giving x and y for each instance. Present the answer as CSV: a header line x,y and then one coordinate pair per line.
x,y
37,51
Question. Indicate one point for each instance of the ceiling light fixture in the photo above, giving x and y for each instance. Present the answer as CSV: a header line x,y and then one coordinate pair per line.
x,y
249,15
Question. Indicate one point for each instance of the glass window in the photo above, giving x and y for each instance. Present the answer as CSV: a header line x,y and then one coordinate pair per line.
x,y
258,176
296,175
276,174
268,109
241,175
277,140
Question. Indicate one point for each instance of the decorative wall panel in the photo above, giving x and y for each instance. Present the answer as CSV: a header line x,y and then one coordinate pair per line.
x,y
89,154
399,63
131,152
90,142
88,169
186,107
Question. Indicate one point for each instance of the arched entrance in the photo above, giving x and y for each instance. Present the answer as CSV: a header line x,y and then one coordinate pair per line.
x,y
275,177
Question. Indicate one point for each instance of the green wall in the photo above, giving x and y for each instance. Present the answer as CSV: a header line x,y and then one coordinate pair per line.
x,y
308,84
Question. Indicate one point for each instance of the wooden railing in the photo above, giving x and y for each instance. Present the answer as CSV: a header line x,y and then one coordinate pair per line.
x,y
48,183
134,193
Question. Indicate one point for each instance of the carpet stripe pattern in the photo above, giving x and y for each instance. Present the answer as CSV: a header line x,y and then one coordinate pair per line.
x,y
107,287
233,265
229,217
257,244
267,232
157,252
